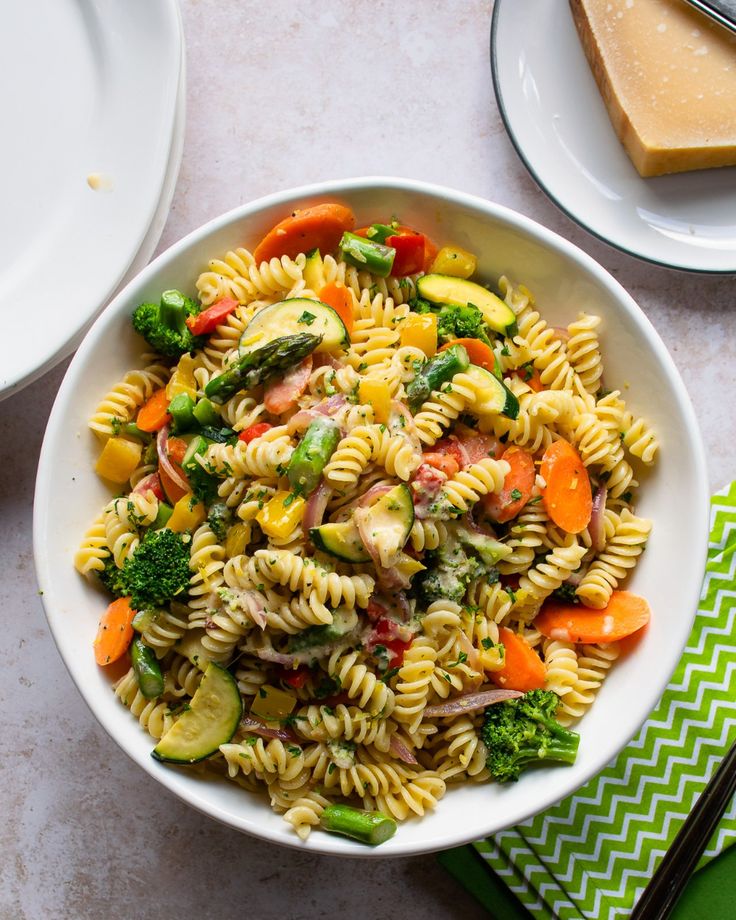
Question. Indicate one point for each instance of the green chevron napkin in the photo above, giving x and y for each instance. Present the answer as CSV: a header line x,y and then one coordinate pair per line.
x,y
592,855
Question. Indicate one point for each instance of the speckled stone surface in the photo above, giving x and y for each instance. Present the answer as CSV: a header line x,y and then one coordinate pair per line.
x,y
279,94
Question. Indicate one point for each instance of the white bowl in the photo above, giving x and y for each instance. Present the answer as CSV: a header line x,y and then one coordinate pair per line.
x,y
564,280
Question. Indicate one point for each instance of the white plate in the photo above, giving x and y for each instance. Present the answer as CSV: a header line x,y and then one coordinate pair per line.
x,y
69,495
103,103
558,123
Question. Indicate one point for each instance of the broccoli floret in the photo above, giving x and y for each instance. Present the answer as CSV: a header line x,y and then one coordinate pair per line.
x,y
458,321
418,305
449,573
219,518
163,325
112,577
489,550
454,320
158,570
524,731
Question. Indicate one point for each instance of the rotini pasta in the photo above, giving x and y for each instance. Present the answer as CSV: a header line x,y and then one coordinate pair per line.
x,y
356,522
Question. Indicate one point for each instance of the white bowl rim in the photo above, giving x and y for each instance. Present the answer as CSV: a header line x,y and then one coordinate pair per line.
x,y
698,530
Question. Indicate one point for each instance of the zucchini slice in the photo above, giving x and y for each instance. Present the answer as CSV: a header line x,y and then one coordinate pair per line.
x,y
340,540
387,524
390,519
290,317
213,715
448,289
493,395
314,271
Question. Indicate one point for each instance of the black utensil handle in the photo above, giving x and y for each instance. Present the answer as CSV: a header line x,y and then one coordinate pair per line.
x,y
662,892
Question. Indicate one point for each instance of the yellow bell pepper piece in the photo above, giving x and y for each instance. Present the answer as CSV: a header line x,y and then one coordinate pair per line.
x,y
279,516
452,260
420,331
187,514
376,393
272,704
182,380
118,459
408,566
238,537
314,272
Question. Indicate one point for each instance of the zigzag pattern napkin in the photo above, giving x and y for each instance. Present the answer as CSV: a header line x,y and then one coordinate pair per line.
x,y
592,854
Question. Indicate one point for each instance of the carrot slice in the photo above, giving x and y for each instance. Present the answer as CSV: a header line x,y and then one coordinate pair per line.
x,y
153,414
319,227
478,352
115,632
523,669
531,376
176,449
517,486
337,296
444,462
172,489
567,495
626,613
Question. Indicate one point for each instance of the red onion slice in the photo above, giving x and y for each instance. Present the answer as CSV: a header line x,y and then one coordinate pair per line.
x,y
400,750
254,602
473,655
150,483
300,421
166,464
361,516
471,702
373,494
561,333
596,527
331,405
256,726
316,506
407,427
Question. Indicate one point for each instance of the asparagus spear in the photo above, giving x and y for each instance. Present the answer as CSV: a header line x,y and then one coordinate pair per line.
x,y
147,670
312,455
371,827
439,370
257,366
371,257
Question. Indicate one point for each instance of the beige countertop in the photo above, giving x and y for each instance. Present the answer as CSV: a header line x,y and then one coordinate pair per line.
x,y
279,94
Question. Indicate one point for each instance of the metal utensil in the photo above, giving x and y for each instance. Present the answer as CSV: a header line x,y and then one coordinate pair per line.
x,y
721,11
679,861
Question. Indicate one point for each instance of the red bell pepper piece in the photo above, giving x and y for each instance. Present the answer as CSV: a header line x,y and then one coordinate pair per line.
x,y
409,258
294,677
176,448
254,431
208,320
396,649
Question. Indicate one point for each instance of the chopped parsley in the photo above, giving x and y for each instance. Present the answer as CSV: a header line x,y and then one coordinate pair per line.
x,y
461,659
307,318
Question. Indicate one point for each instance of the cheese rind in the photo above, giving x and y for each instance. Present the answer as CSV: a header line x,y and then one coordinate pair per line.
x,y
668,78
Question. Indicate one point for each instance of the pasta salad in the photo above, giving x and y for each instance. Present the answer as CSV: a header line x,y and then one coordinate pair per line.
x,y
372,528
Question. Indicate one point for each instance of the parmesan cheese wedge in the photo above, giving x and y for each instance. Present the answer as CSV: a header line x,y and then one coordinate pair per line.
x,y
668,78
